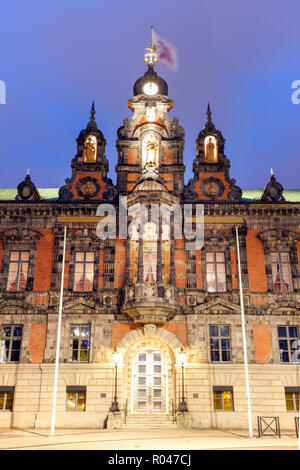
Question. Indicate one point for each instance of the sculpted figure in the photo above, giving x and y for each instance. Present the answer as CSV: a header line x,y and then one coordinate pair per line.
x,y
90,150
210,151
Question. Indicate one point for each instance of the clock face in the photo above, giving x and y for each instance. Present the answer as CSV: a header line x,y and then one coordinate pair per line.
x,y
150,88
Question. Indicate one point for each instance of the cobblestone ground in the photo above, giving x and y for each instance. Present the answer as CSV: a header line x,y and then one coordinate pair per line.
x,y
130,439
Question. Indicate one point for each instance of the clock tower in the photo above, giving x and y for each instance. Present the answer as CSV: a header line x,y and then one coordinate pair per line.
x,y
150,137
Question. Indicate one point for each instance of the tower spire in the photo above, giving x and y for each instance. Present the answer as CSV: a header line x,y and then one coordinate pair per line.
x,y
93,112
208,113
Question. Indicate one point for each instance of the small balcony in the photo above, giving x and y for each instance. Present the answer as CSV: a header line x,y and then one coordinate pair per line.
x,y
150,302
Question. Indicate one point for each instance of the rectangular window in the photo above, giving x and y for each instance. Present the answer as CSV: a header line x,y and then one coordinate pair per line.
x,y
76,398
281,272
6,398
191,278
11,343
292,396
18,270
84,271
215,272
223,398
287,337
109,267
80,343
220,343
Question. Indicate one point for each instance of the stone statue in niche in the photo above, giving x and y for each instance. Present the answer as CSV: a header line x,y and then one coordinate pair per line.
x,y
150,232
90,149
211,150
150,151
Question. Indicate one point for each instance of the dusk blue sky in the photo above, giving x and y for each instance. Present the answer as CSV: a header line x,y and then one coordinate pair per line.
x,y
57,56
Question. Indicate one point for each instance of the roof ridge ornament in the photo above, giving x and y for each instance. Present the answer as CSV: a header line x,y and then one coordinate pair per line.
x,y
27,190
273,190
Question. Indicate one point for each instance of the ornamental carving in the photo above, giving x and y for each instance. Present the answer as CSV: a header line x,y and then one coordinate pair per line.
x,y
88,187
27,191
272,191
189,192
212,187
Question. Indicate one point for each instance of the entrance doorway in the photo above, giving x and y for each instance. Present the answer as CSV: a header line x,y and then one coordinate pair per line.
x,y
149,382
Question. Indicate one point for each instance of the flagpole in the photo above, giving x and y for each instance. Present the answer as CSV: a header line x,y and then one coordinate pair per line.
x,y
244,336
151,36
58,336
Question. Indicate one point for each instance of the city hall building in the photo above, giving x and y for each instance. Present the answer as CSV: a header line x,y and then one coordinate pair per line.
x,y
151,330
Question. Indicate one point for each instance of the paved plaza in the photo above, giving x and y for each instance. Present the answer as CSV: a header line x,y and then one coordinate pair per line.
x,y
151,439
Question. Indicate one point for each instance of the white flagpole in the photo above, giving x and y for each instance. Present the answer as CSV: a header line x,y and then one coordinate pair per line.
x,y
58,336
244,336
299,422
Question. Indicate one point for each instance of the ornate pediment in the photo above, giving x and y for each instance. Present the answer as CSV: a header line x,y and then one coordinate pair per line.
x,y
15,306
79,305
275,235
284,308
218,306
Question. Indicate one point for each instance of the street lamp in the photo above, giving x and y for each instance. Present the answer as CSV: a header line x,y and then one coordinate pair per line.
x,y
116,358
183,404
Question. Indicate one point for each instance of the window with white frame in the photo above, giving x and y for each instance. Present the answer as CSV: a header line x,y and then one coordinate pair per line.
x,y
18,270
288,344
215,272
80,337
220,343
11,343
281,272
84,271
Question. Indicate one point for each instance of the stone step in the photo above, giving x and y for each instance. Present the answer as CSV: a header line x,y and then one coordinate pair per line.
x,y
150,417
150,421
151,426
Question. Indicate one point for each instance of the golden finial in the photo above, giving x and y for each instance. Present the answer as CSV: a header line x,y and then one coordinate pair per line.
x,y
151,56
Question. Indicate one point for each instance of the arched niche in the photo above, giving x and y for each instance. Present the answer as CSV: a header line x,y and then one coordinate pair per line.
x,y
210,149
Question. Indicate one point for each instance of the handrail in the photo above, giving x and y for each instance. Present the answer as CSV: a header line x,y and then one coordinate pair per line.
x,y
125,410
173,412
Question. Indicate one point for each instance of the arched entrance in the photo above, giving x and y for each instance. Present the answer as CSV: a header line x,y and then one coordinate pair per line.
x,y
149,356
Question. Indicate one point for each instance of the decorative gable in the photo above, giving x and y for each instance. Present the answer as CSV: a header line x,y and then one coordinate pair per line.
x,y
211,168
218,306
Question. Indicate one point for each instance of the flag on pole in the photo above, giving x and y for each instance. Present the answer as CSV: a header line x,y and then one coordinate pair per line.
x,y
166,53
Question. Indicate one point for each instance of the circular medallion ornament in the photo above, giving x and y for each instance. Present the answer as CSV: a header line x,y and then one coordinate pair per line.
x,y
26,192
212,187
88,187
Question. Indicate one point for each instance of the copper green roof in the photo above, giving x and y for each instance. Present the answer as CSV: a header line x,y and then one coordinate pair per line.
x,y
290,195
9,194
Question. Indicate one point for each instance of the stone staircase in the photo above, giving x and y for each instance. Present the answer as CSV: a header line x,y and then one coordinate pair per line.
x,y
148,421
